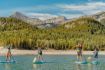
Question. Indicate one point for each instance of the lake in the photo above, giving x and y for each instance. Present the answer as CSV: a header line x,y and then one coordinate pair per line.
x,y
58,62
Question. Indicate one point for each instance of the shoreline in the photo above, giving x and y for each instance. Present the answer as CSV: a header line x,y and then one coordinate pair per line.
x,y
47,52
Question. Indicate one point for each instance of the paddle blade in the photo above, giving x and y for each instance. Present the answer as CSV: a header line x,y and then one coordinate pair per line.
x,y
34,60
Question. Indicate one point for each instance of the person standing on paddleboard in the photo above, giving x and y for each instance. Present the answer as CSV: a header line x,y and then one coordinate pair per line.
x,y
8,55
40,53
96,50
79,47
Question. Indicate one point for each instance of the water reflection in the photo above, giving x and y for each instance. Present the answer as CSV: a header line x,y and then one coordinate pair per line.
x,y
8,67
90,66
37,66
78,67
87,67
95,67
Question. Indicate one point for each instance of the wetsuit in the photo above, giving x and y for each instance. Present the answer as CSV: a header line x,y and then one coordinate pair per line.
x,y
96,53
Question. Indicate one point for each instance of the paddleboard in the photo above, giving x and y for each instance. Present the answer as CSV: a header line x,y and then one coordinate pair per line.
x,y
94,62
38,62
35,61
81,62
85,62
13,61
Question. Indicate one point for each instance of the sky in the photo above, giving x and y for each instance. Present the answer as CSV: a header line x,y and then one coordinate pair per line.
x,y
45,9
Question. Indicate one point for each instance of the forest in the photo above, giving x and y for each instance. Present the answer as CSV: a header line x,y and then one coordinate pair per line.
x,y
22,35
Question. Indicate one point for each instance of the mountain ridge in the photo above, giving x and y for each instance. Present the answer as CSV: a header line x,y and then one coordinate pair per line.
x,y
37,21
55,21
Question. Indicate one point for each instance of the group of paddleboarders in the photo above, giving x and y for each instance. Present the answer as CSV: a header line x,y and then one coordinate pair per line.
x,y
79,48
9,55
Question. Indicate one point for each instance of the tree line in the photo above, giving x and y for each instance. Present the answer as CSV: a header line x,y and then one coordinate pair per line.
x,y
22,35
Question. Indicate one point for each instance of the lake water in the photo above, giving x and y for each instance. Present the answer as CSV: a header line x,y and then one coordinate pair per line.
x,y
59,62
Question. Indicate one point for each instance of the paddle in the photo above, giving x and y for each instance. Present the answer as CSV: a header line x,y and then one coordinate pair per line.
x,y
34,60
13,57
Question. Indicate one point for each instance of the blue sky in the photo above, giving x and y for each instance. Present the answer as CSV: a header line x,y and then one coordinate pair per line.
x,y
52,8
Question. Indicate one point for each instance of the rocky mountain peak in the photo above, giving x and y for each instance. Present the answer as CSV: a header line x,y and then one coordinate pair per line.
x,y
19,15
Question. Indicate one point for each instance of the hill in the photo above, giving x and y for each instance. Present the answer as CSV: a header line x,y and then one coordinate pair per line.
x,y
84,24
9,23
100,16
22,35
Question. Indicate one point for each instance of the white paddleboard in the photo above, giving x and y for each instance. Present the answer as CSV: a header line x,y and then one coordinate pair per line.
x,y
81,62
35,61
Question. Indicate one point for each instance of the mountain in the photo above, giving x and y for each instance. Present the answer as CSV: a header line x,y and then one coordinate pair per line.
x,y
36,21
56,20
22,35
100,17
84,24
32,21
11,24
19,15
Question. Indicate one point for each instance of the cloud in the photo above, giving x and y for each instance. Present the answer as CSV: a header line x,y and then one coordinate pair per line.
x,y
39,8
7,12
87,8
42,16
70,16
42,11
68,10
94,0
25,9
